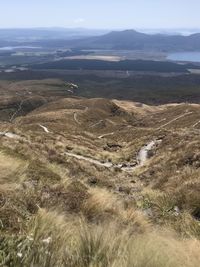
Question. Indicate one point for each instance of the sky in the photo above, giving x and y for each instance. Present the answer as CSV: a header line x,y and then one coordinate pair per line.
x,y
101,14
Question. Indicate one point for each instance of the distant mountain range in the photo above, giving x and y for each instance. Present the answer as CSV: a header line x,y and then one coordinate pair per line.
x,y
79,38
133,40
54,33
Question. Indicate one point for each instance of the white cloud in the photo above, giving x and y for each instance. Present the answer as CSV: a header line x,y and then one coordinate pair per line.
x,y
79,20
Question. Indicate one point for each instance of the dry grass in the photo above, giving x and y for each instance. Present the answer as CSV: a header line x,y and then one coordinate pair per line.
x,y
166,210
94,216
53,240
159,249
104,206
11,170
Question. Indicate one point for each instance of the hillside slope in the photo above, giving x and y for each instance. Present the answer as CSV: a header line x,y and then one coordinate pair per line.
x,y
101,179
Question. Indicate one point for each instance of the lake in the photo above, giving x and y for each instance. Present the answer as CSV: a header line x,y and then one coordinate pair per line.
x,y
6,48
185,56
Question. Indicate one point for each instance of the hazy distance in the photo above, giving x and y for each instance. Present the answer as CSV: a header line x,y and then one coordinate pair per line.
x,y
112,14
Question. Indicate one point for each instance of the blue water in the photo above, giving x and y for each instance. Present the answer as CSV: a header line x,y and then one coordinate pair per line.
x,y
18,47
185,56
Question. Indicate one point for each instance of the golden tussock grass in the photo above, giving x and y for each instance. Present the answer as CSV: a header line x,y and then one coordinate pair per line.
x,y
55,240
103,206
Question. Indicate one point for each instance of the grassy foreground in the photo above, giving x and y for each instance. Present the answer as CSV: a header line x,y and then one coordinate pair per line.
x,y
53,240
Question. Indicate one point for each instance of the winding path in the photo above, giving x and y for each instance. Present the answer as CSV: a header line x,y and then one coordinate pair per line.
x,y
104,135
10,135
197,123
44,128
17,111
76,119
76,115
94,161
175,119
143,153
96,124
142,157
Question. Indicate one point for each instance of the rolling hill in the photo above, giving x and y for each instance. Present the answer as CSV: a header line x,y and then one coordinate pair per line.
x,y
82,177
133,40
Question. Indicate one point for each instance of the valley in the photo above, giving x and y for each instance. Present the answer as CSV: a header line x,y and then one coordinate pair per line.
x,y
117,162
99,150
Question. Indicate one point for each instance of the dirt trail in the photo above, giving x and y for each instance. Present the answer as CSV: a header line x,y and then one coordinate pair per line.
x,y
96,124
142,157
94,161
175,119
104,135
10,135
76,119
17,111
143,153
44,128
76,115
197,123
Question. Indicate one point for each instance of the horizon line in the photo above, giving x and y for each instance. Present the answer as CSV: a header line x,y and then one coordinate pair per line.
x,y
88,28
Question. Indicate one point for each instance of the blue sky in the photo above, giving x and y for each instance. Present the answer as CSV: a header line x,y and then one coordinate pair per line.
x,y
111,14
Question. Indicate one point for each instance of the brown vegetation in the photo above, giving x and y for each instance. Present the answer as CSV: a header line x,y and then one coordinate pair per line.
x,y
56,210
